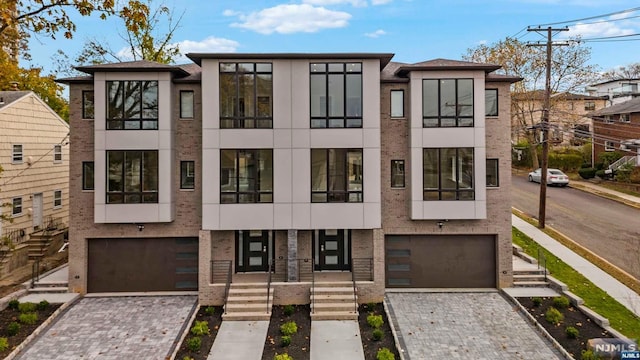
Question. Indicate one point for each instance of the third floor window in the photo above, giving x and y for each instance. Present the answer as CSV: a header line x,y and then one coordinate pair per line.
x,y
132,105
246,95
336,95
447,103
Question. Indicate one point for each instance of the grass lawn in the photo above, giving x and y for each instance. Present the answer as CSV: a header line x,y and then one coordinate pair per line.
x,y
594,298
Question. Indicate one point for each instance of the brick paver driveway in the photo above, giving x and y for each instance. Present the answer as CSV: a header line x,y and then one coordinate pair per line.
x,y
115,328
465,326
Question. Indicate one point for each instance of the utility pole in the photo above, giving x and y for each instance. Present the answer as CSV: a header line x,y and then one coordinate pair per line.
x,y
545,123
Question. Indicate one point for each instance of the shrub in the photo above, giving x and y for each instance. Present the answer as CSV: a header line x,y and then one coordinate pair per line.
x,y
200,328
187,357
587,173
608,158
27,307
377,334
13,328
288,310
4,344
194,343
537,301
209,310
289,328
14,304
28,318
623,174
286,340
282,357
601,174
375,321
561,302
371,305
572,333
567,162
589,355
385,354
554,316
42,305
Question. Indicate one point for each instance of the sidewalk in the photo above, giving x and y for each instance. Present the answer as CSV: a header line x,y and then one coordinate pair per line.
x,y
617,290
604,192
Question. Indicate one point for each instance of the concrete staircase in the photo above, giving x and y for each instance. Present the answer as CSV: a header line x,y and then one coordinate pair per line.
x,y
248,302
50,287
526,272
334,301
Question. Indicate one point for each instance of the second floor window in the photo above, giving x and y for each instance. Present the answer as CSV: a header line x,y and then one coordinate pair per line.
x,y
246,176
447,103
491,102
87,104
16,154
336,95
87,175
589,105
132,105
57,153
16,206
57,199
448,174
336,175
246,95
132,177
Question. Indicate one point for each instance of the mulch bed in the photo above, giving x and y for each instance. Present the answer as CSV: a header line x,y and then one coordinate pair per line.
x,y
299,349
214,320
9,315
572,317
369,345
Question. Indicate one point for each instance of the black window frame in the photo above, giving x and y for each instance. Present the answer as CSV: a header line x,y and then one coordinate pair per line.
x,y
338,196
335,122
457,118
458,191
486,101
88,105
88,169
391,115
239,120
144,196
493,163
193,101
257,195
140,122
394,168
185,184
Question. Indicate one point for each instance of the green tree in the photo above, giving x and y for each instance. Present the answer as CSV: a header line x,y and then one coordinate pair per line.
x,y
569,72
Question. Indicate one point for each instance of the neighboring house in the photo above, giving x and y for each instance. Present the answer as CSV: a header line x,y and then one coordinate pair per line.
x,y
307,166
34,154
569,123
617,91
617,128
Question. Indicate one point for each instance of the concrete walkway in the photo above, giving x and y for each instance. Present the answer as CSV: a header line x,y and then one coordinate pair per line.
x,y
606,282
239,340
339,339
602,191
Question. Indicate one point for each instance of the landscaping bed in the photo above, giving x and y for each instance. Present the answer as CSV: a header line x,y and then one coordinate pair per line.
x,y
572,317
25,320
300,345
212,315
371,344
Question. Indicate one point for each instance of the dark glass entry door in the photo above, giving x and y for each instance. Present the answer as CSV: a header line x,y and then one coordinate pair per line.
x,y
332,249
254,248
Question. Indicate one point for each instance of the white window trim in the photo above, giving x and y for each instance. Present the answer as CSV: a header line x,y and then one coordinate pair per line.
x,y
13,154
21,207
608,119
55,152
54,199
609,146
625,118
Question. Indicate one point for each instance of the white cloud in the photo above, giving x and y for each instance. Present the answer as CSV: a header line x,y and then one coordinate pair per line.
x,y
380,2
294,18
600,29
356,3
376,33
210,44
482,42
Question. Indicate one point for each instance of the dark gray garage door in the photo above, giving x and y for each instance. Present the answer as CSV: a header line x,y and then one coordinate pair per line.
x,y
426,261
143,264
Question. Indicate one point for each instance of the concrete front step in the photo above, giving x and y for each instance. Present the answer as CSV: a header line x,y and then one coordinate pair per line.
x,y
333,290
530,284
248,299
321,298
334,315
535,277
244,307
330,307
49,290
45,284
529,272
247,316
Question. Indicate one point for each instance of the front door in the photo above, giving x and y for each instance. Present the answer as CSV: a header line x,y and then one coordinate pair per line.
x,y
254,248
332,249
37,211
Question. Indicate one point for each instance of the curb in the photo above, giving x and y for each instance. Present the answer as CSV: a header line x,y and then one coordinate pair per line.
x,y
185,331
604,194
398,341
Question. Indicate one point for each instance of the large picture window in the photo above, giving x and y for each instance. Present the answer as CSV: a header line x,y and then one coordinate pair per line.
x,y
246,95
132,177
132,105
336,175
336,95
447,103
448,174
246,176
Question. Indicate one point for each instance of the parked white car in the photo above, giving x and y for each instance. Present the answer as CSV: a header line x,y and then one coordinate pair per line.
x,y
554,177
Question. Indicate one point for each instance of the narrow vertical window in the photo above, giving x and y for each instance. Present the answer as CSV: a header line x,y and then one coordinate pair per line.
x,y
16,155
397,173
186,104
87,175
57,199
16,206
492,173
87,105
491,102
397,103
57,153
187,175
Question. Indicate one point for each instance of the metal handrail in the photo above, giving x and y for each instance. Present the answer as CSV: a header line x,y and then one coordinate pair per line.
x,y
269,284
35,272
542,259
226,288
353,280
313,286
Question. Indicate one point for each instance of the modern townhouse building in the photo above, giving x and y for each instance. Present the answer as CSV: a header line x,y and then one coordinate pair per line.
x,y
289,170
34,186
616,91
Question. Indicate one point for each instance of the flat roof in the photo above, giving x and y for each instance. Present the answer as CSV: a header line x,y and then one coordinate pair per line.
x,y
383,57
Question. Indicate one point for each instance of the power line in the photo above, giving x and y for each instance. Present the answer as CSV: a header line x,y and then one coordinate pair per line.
x,y
592,17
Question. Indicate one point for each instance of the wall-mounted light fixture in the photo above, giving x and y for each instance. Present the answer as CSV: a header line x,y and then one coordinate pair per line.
x,y
440,224
140,227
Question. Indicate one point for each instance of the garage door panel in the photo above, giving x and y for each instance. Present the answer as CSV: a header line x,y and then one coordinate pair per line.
x,y
440,261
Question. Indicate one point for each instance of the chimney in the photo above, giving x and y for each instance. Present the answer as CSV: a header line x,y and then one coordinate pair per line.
x,y
14,86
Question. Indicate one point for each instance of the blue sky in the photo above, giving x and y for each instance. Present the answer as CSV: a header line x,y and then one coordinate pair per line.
x,y
415,30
